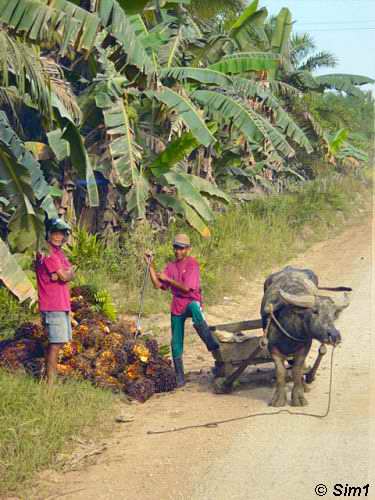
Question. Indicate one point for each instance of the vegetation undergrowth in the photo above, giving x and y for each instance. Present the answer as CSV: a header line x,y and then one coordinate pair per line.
x,y
246,239
36,423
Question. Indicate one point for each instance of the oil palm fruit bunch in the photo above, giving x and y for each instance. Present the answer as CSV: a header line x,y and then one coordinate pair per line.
x,y
14,354
104,352
30,331
141,389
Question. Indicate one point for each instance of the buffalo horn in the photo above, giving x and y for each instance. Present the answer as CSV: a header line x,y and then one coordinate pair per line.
x,y
310,287
306,301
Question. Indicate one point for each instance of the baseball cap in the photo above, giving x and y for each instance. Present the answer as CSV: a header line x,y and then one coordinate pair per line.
x,y
181,240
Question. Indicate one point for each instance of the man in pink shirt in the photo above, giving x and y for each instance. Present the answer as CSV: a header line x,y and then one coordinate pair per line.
x,y
53,272
182,277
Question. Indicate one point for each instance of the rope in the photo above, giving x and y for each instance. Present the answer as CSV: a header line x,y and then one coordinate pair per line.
x,y
289,335
216,423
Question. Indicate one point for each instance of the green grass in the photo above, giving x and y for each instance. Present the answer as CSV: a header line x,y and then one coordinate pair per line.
x,y
36,424
246,240
12,314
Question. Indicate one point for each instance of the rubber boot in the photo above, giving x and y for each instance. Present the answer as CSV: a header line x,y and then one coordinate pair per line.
x,y
179,369
203,330
218,369
212,345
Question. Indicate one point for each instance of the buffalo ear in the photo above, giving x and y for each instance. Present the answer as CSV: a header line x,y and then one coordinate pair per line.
x,y
342,302
306,301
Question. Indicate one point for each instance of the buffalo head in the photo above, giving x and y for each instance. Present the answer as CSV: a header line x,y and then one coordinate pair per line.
x,y
319,313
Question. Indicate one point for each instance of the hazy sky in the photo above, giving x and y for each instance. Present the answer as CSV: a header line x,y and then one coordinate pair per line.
x,y
344,27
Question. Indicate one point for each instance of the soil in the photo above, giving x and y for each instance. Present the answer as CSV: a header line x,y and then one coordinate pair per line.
x,y
280,456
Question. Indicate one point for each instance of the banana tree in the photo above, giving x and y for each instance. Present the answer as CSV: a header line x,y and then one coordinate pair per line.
x,y
25,187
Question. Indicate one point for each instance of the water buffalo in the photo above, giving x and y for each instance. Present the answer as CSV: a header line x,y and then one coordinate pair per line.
x,y
293,296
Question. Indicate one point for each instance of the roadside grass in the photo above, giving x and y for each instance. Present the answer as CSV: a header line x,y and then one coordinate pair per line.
x,y
36,423
246,240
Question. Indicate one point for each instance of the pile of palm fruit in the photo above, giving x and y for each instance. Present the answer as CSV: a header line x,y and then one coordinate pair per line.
x,y
106,353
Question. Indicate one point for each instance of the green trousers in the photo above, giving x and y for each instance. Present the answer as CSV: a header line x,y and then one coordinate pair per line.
x,y
193,311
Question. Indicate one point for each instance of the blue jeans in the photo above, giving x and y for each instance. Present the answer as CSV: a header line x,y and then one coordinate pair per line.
x,y
58,326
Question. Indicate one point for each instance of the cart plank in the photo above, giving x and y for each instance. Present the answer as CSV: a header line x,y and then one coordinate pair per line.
x,y
239,326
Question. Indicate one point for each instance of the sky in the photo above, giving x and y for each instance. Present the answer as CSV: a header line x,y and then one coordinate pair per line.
x,y
344,27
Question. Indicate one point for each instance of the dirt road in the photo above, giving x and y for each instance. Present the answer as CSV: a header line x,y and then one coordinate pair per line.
x,y
283,456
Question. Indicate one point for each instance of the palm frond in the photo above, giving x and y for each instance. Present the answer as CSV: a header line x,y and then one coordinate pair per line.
x,y
319,60
301,45
61,89
21,66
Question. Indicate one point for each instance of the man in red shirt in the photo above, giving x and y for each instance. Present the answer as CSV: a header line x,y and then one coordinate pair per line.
x,y
53,272
182,277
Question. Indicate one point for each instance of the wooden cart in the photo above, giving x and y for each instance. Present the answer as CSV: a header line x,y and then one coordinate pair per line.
x,y
240,349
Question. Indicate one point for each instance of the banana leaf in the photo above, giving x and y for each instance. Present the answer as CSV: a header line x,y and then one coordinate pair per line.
x,y
245,119
251,88
40,21
81,162
248,31
133,6
137,197
13,277
282,31
125,152
118,24
59,146
187,111
189,193
185,211
344,83
39,150
208,188
175,152
24,176
242,62
203,75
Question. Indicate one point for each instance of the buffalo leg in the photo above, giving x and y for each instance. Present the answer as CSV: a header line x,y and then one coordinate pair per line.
x,y
279,396
298,398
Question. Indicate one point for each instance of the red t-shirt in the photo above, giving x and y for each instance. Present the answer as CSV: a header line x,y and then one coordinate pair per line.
x,y
187,273
53,295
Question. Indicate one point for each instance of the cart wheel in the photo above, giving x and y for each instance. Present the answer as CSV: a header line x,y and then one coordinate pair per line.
x,y
220,387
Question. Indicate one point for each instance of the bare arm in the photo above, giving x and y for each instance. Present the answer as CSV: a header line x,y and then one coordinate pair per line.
x,y
173,283
65,275
153,274
154,277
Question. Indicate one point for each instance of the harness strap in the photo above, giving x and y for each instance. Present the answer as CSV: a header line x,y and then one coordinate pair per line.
x,y
287,334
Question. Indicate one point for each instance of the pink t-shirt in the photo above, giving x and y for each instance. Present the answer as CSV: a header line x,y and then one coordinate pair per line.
x,y
187,273
53,295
